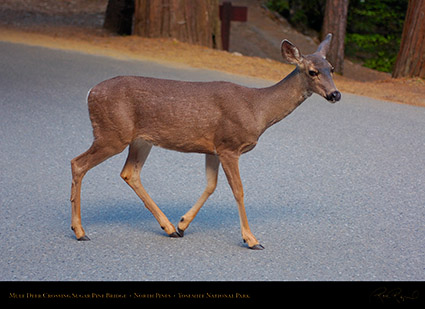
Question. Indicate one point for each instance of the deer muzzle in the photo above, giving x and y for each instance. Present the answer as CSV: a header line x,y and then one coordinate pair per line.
x,y
334,96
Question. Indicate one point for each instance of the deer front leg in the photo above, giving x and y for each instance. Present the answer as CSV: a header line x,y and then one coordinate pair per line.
x,y
137,155
230,163
212,164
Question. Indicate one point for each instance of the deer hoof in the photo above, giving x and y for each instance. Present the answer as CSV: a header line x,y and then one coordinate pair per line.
x,y
83,238
180,232
257,247
175,235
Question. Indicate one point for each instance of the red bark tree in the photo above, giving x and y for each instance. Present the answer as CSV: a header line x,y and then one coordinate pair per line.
x,y
191,21
411,57
335,22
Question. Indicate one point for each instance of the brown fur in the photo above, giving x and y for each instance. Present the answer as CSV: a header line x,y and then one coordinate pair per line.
x,y
221,119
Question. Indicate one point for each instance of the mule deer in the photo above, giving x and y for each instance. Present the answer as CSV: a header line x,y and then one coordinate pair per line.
x,y
220,119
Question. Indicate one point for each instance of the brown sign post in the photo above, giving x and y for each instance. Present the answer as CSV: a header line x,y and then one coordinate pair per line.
x,y
230,13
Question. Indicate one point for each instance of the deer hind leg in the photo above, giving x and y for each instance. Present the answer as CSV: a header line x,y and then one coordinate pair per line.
x,y
138,152
230,163
212,164
80,165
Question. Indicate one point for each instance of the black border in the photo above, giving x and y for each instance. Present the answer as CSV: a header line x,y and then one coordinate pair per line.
x,y
228,292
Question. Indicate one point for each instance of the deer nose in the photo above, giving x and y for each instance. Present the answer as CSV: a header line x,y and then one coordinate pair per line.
x,y
334,96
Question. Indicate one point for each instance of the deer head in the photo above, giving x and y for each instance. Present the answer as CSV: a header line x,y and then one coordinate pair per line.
x,y
316,70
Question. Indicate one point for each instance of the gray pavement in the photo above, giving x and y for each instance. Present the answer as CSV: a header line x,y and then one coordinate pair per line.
x,y
333,192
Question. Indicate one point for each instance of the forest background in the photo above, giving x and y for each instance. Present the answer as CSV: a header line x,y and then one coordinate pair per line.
x,y
374,27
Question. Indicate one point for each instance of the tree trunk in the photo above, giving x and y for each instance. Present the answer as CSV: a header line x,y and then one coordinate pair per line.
x,y
335,22
119,16
191,21
411,57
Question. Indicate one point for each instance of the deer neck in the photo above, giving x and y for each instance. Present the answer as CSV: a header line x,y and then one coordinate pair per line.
x,y
279,100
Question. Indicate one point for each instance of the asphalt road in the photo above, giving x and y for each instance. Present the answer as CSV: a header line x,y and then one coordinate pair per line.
x,y
333,192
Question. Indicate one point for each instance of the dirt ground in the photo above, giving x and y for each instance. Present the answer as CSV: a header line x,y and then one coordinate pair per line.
x,y
254,45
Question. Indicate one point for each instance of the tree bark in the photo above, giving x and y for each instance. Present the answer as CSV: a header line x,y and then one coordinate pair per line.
x,y
119,16
335,22
411,57
191,21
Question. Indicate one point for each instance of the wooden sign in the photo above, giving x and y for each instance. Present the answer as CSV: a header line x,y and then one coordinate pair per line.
x,y
230,13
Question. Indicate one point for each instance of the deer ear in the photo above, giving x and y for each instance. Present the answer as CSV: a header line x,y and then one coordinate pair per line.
x,y
324,46
291,53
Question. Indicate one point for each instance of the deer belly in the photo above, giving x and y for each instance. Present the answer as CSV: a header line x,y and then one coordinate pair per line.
x,y
190,140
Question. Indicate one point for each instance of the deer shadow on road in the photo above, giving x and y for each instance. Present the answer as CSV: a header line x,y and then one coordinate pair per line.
x,y
132,215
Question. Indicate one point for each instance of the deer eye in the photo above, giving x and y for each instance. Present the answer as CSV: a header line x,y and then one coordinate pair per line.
x,y
313,73
332,70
